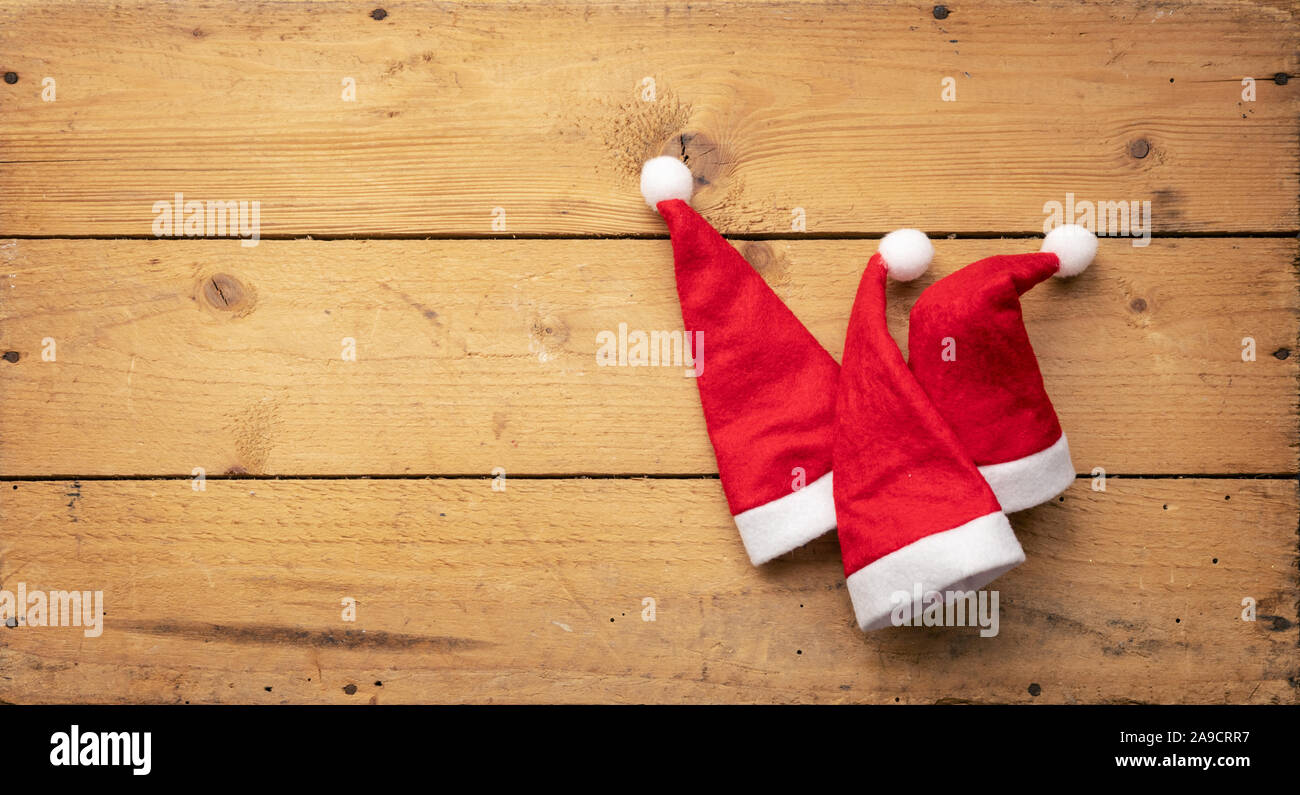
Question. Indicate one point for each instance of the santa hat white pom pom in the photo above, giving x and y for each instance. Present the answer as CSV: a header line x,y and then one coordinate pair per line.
x,y
1074,246
664,178
907,253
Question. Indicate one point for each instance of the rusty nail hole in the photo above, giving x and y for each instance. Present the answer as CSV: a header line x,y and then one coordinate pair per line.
x,y
1139,148
11,77
1280,78
1138,304
11,356
378,14
1215,561
941,12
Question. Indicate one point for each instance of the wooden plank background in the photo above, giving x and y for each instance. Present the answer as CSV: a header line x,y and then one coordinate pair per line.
x,y
537,593
536,108
371,479
480,354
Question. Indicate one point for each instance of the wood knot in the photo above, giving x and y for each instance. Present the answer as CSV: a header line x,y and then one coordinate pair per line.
x,y
1138,304
1280,354
546,337
11,77
11,356
227,294
1279,624
759,255
700,153
768,261
378,14
550,330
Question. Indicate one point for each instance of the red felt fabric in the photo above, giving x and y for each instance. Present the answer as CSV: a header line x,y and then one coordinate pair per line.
x,y
768,387
992,394
900,472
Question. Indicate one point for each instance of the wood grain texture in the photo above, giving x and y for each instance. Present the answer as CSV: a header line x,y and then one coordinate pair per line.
x,y
480,354
537,109
496,119
536,594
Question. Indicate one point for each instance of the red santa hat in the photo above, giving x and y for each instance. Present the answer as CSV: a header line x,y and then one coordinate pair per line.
x,y
767,386
969,350
914,514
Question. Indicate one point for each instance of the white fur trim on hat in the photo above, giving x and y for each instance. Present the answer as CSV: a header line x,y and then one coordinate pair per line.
x,y
907,253
664,178
789,522
1032,480
1073,245
965,558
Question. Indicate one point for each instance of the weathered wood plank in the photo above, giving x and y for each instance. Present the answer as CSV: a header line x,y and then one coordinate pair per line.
x,y
536,593
473,355
538,109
